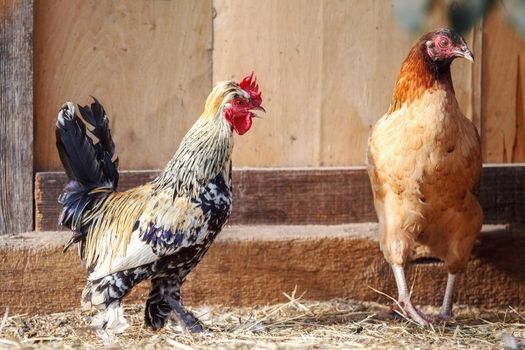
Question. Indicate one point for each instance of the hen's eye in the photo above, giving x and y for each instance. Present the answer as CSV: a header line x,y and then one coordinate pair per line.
x,y
239,102
443,42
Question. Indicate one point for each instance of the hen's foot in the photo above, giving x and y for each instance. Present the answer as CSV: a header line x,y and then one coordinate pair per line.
x,y
445,316
412,312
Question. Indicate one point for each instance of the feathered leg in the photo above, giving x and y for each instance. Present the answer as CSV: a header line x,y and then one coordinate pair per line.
x,y
404,297
164,297
106,293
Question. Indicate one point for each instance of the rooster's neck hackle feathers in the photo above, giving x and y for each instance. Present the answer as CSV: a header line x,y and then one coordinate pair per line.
x,y
206,149
417,75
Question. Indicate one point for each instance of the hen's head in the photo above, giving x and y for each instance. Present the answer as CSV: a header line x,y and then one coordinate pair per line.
x,y
443,45
236,103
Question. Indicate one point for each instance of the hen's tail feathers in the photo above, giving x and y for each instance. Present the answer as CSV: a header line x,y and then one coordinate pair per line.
x,y
90,167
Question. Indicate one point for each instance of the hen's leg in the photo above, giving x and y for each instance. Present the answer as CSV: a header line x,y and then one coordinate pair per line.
x,y
464,226
446,308
164,297
404,297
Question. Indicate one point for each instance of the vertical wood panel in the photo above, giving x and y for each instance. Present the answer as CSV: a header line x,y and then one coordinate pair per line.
x,y
363,48
503,92
281,41
149,62
16,116
327,69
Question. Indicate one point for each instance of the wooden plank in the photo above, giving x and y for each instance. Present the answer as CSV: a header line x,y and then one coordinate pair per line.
x,y
477,79
503,91
363,49
278,196
254,265
502,194
281,42
149,63
16,116
324,196
327,71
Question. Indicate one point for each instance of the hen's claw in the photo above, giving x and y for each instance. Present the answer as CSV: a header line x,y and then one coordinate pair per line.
x,y
412,312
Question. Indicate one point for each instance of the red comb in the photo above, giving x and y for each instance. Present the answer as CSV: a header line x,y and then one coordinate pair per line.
x,y
249,84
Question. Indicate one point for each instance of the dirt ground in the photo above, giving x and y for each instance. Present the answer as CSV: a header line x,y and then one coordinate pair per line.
x,y
297,324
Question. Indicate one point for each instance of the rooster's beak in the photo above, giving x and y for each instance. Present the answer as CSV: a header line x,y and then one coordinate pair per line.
x,y
257,109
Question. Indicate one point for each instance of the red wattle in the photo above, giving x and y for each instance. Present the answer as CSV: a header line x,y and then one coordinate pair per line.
x,y
242,123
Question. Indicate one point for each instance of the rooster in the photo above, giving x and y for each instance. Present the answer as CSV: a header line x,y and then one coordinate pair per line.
x,y
424,164
160,230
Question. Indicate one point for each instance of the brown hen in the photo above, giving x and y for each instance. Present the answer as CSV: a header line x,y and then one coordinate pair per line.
x,y
424,163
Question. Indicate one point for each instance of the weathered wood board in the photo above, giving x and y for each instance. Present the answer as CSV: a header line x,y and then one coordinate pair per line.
x,y
255,265
326,70
148,62
16,116
503,108
325,196
304,196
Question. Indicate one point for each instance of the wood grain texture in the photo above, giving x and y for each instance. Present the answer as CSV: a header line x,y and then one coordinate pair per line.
x,y
149,63
476,81
278,196
325,196
503,92
281,41
326,71
255,265
363,48
16,116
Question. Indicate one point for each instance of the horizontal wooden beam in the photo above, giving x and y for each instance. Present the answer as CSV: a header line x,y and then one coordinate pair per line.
x,y
324,196
250,265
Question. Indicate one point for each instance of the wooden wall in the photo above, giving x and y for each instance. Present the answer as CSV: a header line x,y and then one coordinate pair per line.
x,y
326,69
503,92
148,62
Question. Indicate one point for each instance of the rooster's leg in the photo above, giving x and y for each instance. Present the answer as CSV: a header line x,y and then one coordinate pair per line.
x,y
105,294
446,308
164,298
404,297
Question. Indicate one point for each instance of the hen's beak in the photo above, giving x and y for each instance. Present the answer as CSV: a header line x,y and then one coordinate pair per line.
x,y
257,109
466,53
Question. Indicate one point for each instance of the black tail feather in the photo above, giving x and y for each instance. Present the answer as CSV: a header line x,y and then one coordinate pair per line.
x,y
105,148
88,165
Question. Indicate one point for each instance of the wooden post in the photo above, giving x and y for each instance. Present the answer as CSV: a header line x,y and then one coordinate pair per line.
x,y
16,116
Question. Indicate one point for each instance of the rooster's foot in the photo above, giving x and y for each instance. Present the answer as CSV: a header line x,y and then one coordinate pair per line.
x,y
186,318
108,323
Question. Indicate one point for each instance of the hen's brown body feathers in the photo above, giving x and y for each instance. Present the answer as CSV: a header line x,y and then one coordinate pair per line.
x,y
424,163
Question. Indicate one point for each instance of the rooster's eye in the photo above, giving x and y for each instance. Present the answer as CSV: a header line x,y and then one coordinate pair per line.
x,y
239,102
443,42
